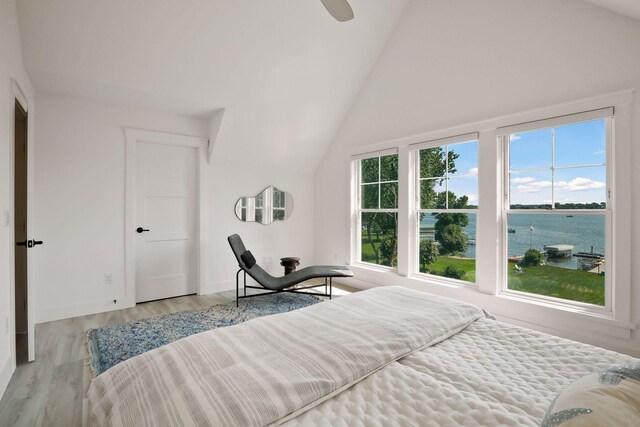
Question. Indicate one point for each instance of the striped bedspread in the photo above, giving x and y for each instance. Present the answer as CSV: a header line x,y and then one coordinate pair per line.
x,y
271,369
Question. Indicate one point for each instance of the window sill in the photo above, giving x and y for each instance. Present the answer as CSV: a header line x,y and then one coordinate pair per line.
x,y
600,315
365,266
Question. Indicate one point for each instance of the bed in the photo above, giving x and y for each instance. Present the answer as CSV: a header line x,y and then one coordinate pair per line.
x,y
386,356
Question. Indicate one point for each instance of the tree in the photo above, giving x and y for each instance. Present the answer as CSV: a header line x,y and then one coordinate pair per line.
x,y
389,249
452,238
379,189
449,227
433,165
453,273
532,258
428,253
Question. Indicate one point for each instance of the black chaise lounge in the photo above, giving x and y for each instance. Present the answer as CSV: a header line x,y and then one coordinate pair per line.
x,y
247,264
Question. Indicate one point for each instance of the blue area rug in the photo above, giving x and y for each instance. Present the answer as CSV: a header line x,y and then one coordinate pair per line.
x,y
113,344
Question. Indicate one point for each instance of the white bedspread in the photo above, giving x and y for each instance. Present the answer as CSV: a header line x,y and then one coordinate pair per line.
x,y
267,369
490,374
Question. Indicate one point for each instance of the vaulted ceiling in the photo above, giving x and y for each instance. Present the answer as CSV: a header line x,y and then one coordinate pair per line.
x,y
630,8
285,71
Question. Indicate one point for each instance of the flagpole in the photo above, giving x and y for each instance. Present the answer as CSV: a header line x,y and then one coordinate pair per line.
x,y
530,233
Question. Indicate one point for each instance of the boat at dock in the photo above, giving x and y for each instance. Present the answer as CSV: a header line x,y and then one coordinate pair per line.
x,y
558,251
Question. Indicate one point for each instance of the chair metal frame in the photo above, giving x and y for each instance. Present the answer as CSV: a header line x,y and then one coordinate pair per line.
x,y
328,288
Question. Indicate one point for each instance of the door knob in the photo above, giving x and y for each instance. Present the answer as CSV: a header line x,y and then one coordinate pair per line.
x,y
29,243
141,230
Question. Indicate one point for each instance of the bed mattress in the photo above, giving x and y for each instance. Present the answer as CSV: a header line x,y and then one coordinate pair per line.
x,y
489,374
386,356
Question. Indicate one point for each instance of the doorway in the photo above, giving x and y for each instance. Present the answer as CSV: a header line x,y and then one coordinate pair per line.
x,y
165,215
20,232
166,200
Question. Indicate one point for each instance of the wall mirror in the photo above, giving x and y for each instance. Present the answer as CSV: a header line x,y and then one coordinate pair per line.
x,y
269,206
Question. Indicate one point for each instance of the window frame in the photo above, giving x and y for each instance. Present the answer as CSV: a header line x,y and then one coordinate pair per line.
x,y
416,208
504,134
618,323
356,165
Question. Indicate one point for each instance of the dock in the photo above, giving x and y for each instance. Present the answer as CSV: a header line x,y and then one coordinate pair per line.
x,y
558,251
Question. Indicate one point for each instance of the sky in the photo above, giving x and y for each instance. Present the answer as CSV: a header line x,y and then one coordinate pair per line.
x,y
578,156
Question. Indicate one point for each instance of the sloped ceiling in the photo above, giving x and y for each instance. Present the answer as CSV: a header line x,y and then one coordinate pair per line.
x,y
284,70
630,8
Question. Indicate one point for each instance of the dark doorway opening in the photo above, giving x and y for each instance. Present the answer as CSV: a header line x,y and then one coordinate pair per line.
x,y
20,232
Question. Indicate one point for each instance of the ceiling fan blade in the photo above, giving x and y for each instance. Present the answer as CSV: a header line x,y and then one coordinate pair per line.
x,y
339,9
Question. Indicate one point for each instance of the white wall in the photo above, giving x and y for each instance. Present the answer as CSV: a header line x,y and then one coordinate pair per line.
x,y
80,195
80,185
293,237
454,62
11,67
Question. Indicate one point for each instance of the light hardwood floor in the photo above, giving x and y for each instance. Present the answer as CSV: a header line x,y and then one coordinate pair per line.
x,y
50,390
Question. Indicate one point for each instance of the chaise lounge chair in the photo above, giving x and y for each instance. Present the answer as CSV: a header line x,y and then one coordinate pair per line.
x,y
247,264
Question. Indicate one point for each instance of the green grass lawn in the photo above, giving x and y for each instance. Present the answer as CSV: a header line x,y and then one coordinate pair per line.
x,y
575,285
465,264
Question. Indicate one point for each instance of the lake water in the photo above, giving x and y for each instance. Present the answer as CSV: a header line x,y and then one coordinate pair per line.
x,y
582,231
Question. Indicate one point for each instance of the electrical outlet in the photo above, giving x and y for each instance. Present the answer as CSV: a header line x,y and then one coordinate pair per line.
x,y
5,217
335,257
108,279
270,260
264,259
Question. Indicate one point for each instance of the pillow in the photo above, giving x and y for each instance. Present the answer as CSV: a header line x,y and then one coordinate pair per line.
x,y
248,259
607,398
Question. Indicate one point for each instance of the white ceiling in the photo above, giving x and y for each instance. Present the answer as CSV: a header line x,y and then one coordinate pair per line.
x,y
285,71
630,8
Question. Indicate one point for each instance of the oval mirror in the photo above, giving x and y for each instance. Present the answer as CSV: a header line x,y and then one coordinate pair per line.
x,y
270,205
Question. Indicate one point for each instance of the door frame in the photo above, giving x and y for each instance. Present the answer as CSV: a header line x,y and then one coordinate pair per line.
x,y
17,94
133,137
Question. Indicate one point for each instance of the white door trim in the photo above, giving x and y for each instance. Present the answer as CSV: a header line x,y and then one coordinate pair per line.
x,y
17,94
133,136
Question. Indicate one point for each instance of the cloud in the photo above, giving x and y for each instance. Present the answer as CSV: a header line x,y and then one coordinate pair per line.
x,y
579,184
523,180
534,186
473,198
514,137
597,153
530,185
473,172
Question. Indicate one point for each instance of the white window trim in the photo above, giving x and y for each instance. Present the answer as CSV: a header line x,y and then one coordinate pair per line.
x,y
550,315
504,139
356,197
414,251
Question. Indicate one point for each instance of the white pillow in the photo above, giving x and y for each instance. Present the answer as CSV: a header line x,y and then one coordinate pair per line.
x,y
608,398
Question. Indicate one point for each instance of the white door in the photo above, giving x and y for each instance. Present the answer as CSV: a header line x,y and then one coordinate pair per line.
x,y
166,206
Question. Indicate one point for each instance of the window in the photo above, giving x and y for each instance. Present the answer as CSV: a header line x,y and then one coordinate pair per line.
x,y
377,210
259,207
557,210
278,210
446,207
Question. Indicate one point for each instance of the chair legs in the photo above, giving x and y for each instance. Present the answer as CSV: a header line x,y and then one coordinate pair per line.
x,y
328,288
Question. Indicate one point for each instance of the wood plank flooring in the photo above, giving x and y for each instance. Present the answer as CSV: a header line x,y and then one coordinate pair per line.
x,y
50,390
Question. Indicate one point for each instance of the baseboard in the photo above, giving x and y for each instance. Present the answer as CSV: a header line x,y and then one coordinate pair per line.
x,y
5,375
214,287
82,309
